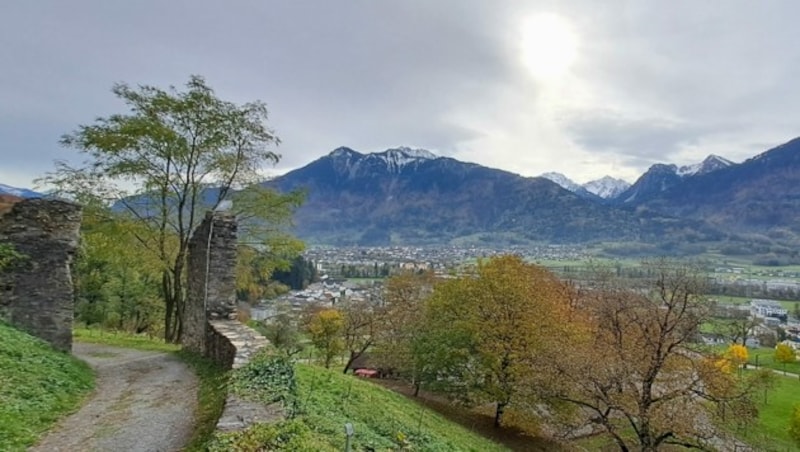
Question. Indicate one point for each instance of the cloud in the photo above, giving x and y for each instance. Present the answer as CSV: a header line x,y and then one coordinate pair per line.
x,y
651,81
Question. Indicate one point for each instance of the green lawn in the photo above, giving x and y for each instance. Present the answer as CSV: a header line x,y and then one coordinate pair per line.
x,y
771,431
38,385
123,339
765,357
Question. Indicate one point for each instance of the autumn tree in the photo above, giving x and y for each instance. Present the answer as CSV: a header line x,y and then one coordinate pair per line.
x,y
636,371
784,354
325,329
487,329
404,297
255,267
737,354
363,320
181,151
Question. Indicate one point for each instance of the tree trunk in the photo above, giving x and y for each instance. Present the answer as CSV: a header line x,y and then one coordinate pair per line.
x,y
416,388
169,306
498,414
353,357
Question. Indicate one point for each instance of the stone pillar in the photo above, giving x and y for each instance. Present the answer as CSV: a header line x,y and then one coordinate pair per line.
x,y
211,292
36,293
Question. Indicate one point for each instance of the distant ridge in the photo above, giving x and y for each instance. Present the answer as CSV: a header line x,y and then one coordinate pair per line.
x,y
403,196
19,192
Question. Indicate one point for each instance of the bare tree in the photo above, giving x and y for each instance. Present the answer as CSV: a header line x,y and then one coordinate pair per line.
x,y
635,370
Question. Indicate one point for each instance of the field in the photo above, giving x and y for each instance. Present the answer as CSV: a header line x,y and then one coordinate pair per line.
x,y
765,357
38,385
771,431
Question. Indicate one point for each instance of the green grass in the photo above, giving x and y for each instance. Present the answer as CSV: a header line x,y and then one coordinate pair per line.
x,y
123,339
210,398
38,385
765,357
771,431
381,419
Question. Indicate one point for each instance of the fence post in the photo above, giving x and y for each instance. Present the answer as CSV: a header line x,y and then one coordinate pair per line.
x,y
348,432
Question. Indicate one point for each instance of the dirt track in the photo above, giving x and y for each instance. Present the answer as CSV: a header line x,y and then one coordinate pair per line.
x,y
144,401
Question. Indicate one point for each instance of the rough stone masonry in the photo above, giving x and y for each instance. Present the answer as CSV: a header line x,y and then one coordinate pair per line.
x,y
36,292
212,278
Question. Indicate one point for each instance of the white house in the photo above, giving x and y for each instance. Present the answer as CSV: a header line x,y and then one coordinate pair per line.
x,y
767,308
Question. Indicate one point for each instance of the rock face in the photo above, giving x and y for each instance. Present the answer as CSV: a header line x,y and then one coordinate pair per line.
x,y
212,278
36,292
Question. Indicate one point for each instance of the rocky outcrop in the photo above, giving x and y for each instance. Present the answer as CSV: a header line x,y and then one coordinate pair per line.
x,y
36,291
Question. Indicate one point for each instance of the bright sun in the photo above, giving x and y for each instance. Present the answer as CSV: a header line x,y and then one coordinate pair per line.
x,y
549,46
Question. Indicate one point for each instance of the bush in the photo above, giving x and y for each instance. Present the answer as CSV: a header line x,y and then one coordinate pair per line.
x,y
267,379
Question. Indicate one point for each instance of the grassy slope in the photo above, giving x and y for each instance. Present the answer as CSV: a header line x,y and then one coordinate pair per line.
x,y
382,419
771,431
38,385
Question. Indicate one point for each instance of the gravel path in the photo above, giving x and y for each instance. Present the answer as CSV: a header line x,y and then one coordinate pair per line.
x,y
144,401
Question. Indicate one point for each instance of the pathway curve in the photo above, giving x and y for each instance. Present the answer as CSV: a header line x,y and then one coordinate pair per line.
x,y
144,401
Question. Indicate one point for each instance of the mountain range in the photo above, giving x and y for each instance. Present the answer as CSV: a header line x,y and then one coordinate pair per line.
x,y
18,192
408,196
412,196
606,187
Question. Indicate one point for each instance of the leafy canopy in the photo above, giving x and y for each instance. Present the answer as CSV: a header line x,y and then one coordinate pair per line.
x,y
171,155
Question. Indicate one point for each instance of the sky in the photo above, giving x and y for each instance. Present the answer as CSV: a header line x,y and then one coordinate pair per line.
x,y
585,88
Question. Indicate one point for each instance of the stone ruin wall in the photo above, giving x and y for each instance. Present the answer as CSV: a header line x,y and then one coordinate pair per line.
x,y
211,290
36,292
209,323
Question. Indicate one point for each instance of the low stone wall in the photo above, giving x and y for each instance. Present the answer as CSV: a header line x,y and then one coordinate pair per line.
x,y
232,344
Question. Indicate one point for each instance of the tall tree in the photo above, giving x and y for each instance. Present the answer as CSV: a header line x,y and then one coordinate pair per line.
x,y
363,321
404,297
636,370
496,322
182,151
325,329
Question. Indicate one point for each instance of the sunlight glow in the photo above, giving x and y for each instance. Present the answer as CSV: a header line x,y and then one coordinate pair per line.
x,y
548,46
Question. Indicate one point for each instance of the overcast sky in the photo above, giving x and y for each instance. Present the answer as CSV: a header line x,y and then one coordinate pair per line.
x,y
586,88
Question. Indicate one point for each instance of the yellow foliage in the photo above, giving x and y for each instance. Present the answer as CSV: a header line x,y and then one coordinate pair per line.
x,y
325,328
784,354
737,354
723,365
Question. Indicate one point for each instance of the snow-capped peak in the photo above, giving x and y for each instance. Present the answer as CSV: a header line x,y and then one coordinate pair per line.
x,y
397,158
561,180
711,163
413,153
606,187
343,151
18,192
